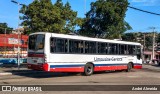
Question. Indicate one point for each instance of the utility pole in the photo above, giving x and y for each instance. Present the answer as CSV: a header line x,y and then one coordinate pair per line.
x,y
18,54
144,41
144,45
153,44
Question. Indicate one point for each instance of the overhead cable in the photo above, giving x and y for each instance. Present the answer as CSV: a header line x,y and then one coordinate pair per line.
x,y
144,10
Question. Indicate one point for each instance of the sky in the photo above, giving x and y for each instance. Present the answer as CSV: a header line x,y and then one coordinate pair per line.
x,y
139,21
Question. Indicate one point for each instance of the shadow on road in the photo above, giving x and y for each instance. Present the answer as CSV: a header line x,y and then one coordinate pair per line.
x,y
108,72
42,74
39,74
24,72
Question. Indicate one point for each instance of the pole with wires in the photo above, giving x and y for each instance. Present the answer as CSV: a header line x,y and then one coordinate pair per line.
x,y
18,52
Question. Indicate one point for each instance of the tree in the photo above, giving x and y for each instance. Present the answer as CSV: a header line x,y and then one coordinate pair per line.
x,y
158,38
68,15
42,15
38,16
4,27
148,41
158,42
129,37
106,19
139,37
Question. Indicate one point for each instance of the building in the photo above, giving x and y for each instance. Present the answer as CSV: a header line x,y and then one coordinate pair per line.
x,y
148,56
9,45
21,31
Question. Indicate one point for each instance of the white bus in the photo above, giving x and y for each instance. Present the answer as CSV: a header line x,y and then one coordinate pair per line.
x,y
73,53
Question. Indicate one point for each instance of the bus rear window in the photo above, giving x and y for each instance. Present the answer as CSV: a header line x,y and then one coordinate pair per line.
x,y
36,42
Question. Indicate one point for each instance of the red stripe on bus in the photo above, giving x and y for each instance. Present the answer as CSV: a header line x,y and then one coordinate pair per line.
x,y
104,68
75,69
137,66
35,55
45,67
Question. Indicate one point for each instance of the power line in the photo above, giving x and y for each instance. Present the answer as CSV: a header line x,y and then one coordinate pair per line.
x,y
144,10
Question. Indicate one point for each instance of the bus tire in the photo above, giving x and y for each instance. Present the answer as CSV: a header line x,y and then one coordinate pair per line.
x,y
88,69
129,67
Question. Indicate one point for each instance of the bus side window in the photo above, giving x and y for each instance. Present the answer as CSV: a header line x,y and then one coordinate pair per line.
x,y
114,48
65,45
109,49
86,47
138,52
75,46
101,48
80,46
61,45
106,48
58,45
52,44
131,49
71,50
123,49
92,47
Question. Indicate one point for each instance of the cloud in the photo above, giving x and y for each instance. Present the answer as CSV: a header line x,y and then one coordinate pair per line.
x,y
146,2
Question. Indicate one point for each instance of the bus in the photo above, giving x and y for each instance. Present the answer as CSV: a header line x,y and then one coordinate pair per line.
x,y
73,53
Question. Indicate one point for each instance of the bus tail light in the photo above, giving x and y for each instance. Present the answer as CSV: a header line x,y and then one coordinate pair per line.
x,y
45,67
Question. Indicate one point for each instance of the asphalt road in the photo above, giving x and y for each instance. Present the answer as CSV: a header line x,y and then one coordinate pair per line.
x,y
149,75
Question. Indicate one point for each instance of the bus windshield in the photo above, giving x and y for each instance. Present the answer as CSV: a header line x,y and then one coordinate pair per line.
x,y
36,42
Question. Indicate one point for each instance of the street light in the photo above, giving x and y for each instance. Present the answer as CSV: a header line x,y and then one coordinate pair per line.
x,y
18,61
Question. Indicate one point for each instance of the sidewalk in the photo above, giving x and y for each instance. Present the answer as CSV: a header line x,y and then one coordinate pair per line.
x,y
10,69
13,69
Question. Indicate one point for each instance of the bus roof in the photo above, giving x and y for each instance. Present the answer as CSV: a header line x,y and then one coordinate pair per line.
x,y
86,38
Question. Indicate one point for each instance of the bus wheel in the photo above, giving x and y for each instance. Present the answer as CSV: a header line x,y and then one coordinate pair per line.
x,y
129,67
88,69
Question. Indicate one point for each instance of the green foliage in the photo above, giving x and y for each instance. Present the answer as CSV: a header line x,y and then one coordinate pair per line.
x,y
129,37
139,37
42,15
158,38
4,27
106,19
148,41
